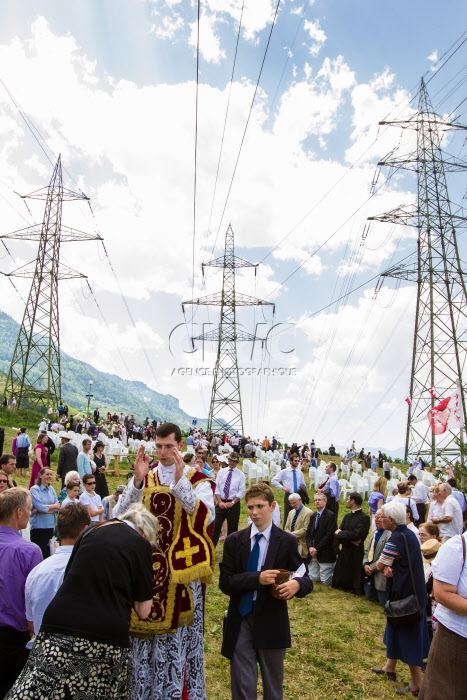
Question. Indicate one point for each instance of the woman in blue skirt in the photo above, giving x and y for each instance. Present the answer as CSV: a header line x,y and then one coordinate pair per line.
x,y
408,643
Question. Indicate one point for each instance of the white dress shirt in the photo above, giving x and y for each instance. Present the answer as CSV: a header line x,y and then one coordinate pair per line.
x,y
452,509
419,493
237,484
285,479
42,584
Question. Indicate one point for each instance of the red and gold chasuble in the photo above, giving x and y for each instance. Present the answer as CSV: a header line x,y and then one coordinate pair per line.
x,y
184,553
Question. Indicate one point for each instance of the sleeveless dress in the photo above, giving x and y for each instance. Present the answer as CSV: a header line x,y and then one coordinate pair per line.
x,y
36,467
102,487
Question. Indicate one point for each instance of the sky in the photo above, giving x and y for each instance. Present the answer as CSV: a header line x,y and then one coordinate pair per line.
x,y
286,142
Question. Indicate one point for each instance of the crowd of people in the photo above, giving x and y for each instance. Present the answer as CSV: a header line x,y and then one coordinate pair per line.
x,y
113,584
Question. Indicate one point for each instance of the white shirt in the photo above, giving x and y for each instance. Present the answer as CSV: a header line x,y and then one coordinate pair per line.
x,y
87,499
237,484
452,509
263,546
285,478
42,584
411,526
68,502
263,543
448,566
435,511
419,493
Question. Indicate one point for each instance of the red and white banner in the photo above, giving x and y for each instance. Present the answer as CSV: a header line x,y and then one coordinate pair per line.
x,y
408,400
447,415
433,392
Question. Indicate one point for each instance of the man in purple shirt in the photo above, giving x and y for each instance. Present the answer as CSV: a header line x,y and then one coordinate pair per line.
x,y
18,558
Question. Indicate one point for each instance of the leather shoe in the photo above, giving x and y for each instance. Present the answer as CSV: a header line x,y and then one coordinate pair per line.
x,y
407,691
390,674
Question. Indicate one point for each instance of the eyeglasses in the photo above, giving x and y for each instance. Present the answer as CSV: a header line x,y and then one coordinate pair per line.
x,y
3,481
90,483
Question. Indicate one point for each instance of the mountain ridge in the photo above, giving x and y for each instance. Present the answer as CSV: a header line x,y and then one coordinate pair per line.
x,y
111,392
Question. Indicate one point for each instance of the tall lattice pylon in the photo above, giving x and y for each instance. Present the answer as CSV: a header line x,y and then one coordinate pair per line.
x,y
225,411
440,336
34,377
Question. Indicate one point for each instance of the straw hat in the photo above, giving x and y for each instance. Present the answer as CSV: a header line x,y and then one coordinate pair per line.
x,y
430,550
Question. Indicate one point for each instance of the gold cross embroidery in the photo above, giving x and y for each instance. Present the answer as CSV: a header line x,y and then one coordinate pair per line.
x,y
187,552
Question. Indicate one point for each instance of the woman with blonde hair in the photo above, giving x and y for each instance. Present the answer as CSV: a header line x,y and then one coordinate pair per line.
x,y
377,498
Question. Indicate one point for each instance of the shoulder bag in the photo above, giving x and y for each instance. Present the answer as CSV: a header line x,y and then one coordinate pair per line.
x,y
405,611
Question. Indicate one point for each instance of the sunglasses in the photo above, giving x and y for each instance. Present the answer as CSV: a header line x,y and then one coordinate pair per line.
x,y
3,481
90,483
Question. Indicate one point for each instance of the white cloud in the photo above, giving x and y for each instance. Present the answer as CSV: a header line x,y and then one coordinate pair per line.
x,y
433,57
316,34
170,25
131,149
209,42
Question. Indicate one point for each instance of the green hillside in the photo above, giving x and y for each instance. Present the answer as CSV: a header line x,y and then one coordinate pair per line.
x,y
110,391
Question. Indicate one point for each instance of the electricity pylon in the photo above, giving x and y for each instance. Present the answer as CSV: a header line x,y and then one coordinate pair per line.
x,y
225,411
34,376
440,335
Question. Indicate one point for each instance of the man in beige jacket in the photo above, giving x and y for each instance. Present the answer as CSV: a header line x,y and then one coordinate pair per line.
x,y
297,523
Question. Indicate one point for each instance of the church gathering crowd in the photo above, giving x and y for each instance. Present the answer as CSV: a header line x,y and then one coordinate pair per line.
x,y
103,594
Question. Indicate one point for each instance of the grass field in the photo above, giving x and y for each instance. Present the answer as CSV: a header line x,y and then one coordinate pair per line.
x,y
336,638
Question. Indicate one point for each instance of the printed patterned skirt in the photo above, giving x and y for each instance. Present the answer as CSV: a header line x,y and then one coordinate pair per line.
x,y
61,667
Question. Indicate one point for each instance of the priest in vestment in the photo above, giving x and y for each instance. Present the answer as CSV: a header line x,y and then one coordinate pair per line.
x,y
168,656
351,536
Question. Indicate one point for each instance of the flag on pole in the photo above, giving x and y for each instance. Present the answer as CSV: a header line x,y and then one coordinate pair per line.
x,y
408,400
456,417
438,417
447,415
433,392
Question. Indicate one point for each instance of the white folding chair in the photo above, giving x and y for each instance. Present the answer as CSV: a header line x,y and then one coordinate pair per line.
x,y
345,488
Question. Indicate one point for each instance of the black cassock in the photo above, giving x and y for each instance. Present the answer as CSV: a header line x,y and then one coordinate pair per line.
x,y
348,573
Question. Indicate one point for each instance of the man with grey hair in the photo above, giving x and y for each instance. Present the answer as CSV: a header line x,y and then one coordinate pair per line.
x,y
320,541
297,523
375,581
395,511
451,521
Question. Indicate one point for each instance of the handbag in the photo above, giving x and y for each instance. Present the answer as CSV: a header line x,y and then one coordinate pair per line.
x,y
405,611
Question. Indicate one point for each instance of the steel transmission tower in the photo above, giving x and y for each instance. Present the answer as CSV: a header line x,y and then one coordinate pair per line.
x,y
35,376
225,411
440,336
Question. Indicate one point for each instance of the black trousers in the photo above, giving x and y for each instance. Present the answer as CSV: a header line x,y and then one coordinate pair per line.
x,y
232,515
421,508
41,537
287,507
13,656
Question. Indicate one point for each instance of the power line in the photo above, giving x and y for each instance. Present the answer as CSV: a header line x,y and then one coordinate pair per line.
x,y
246,125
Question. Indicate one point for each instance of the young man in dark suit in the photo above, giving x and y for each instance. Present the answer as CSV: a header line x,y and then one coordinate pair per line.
x,y
320,541
256,628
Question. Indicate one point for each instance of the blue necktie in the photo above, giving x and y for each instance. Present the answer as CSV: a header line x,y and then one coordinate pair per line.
x,y
246,601
294,520
294,475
